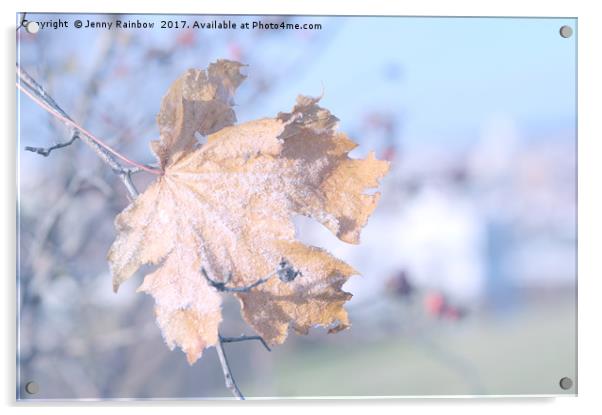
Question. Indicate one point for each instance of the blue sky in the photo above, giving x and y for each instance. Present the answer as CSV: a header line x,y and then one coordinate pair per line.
x,y
454,73
445,78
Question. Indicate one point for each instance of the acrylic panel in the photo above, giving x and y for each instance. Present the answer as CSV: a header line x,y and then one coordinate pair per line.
x,y
212,207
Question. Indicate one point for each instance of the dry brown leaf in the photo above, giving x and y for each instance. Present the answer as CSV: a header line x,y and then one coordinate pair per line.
x,y
227,206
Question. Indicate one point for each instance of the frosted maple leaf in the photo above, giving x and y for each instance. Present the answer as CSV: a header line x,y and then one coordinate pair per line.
x,y
223,210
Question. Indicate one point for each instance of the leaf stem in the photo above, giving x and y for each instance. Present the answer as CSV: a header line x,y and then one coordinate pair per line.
x,y
42,99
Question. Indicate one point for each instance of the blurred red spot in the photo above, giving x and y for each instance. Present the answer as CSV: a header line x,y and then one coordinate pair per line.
x,y
434,303
235,51
121,71
389,153
186,38
452,313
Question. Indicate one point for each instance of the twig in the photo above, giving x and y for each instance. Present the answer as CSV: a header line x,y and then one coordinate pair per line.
x,y
49,220
221,353
46,151
229,380
285,271
126,178
40,97
23,20
38,94
243,338
222,286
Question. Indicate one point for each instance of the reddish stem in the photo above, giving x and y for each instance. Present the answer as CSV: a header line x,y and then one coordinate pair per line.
x,y
97,140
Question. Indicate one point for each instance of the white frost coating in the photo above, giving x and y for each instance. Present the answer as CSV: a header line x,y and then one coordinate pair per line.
x,y
227,207
163,217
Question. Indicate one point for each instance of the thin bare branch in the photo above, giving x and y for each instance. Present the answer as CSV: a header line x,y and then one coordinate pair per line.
x,y
126,178
243,338
223,286
228,378
23,20
45,151
285,272
104,150
34,85
32,88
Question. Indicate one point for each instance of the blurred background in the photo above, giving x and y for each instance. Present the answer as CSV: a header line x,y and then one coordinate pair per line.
x,y
468,265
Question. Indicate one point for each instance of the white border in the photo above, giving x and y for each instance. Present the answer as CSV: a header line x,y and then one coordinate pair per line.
x,y
590,206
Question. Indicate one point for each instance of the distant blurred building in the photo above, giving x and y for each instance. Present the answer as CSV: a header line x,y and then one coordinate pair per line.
x,y
442,242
